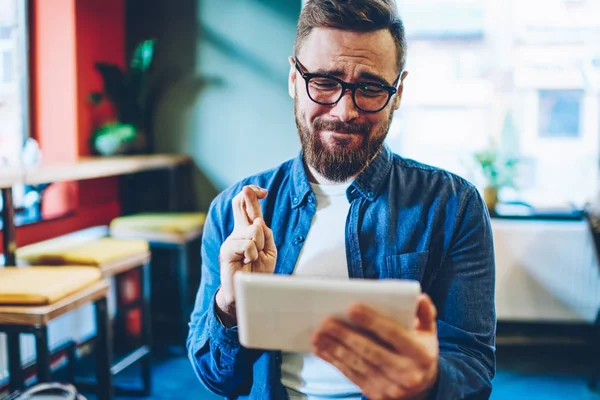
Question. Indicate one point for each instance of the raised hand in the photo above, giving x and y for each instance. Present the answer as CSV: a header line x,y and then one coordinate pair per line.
x,y
250,247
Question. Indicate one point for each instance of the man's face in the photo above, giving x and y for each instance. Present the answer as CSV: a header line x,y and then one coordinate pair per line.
x,y
340,140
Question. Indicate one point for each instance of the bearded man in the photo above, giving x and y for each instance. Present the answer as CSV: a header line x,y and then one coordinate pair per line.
x,y
347,207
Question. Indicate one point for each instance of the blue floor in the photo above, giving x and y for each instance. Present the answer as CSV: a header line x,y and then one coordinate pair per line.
x,y
541,373
544,373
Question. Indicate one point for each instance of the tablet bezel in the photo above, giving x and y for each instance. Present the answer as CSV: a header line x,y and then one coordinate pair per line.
x,y
279,317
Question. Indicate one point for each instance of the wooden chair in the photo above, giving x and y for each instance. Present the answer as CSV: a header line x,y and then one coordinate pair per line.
x,y
174,232
32,297
112,258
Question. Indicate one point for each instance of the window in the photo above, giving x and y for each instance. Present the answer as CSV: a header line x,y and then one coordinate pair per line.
x,y
527,80
559,113
14,109
13,81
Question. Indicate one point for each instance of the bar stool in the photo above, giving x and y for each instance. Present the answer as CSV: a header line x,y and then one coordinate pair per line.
x,y
32,297
112,258
175,232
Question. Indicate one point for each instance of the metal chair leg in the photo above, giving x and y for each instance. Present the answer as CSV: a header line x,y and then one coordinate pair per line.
x,y
182,279
146,329
71,360
8,227
103,352
17,380
118,322
42,348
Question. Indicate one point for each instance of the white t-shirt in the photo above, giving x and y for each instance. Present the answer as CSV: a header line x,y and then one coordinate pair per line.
x,y
324,254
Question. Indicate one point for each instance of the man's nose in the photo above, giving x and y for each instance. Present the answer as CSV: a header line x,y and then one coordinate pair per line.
x,y
344,109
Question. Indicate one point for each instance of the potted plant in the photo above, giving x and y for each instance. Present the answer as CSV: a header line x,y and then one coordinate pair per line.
x,y
128,94
497,171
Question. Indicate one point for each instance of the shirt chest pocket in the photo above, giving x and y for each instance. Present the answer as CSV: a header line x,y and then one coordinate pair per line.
x,y
407,266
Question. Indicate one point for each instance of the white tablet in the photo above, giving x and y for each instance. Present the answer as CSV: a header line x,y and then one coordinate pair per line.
x,y
282,312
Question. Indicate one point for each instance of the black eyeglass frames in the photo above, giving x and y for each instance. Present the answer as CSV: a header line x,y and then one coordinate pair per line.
x,y
328,90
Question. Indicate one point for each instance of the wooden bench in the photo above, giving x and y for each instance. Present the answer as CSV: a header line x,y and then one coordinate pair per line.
x,y
113,258
174,232
32,297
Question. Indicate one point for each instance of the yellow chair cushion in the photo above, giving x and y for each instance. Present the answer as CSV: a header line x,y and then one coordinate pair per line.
x,y
96,252
178,223
39,286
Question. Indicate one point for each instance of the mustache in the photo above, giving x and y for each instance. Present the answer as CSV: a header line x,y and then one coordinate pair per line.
x,y
362,128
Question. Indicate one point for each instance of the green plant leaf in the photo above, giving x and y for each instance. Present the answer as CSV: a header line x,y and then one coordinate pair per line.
x,y
113,138
138,87
142,56
127,90
498,171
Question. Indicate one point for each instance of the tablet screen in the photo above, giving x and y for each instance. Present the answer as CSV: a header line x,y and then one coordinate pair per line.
x,y
282,312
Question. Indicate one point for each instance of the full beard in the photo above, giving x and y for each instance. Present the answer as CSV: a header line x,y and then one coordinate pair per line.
x,y
339,161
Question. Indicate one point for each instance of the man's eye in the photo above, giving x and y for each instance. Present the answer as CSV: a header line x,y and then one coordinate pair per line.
x,y
372,89
324,84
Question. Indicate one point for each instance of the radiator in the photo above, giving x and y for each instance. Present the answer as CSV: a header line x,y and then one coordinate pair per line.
x,y
546,271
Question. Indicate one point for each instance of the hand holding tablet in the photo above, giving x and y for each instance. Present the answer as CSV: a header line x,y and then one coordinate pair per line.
x,y
280,312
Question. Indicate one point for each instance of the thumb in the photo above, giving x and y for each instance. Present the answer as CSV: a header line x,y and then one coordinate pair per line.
x,y
426,314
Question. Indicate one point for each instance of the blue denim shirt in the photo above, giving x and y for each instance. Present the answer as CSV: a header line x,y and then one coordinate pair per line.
x,y
406,221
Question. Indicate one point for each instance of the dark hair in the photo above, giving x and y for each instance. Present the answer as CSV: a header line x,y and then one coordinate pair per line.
x,y
353,15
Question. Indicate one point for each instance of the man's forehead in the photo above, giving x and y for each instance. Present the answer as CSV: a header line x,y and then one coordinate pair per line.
x,y
325,47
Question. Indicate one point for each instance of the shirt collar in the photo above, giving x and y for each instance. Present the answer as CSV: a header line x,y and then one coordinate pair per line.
x,y
368,183
371,181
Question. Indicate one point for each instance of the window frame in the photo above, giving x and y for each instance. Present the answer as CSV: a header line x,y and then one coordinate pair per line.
x,y
23,14
24,214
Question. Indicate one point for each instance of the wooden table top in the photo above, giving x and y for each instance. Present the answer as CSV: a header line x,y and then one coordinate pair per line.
x,y
89,168
42,315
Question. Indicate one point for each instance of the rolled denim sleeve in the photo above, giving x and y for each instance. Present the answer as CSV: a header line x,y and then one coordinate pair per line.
x,y
463,293
220,362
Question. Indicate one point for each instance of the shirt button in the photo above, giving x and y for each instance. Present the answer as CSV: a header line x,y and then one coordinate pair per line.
x,y
300,239
310,199
370,194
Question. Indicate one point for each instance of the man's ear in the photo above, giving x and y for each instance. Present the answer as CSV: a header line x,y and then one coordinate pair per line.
x,y
292,78
398,97
397,100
